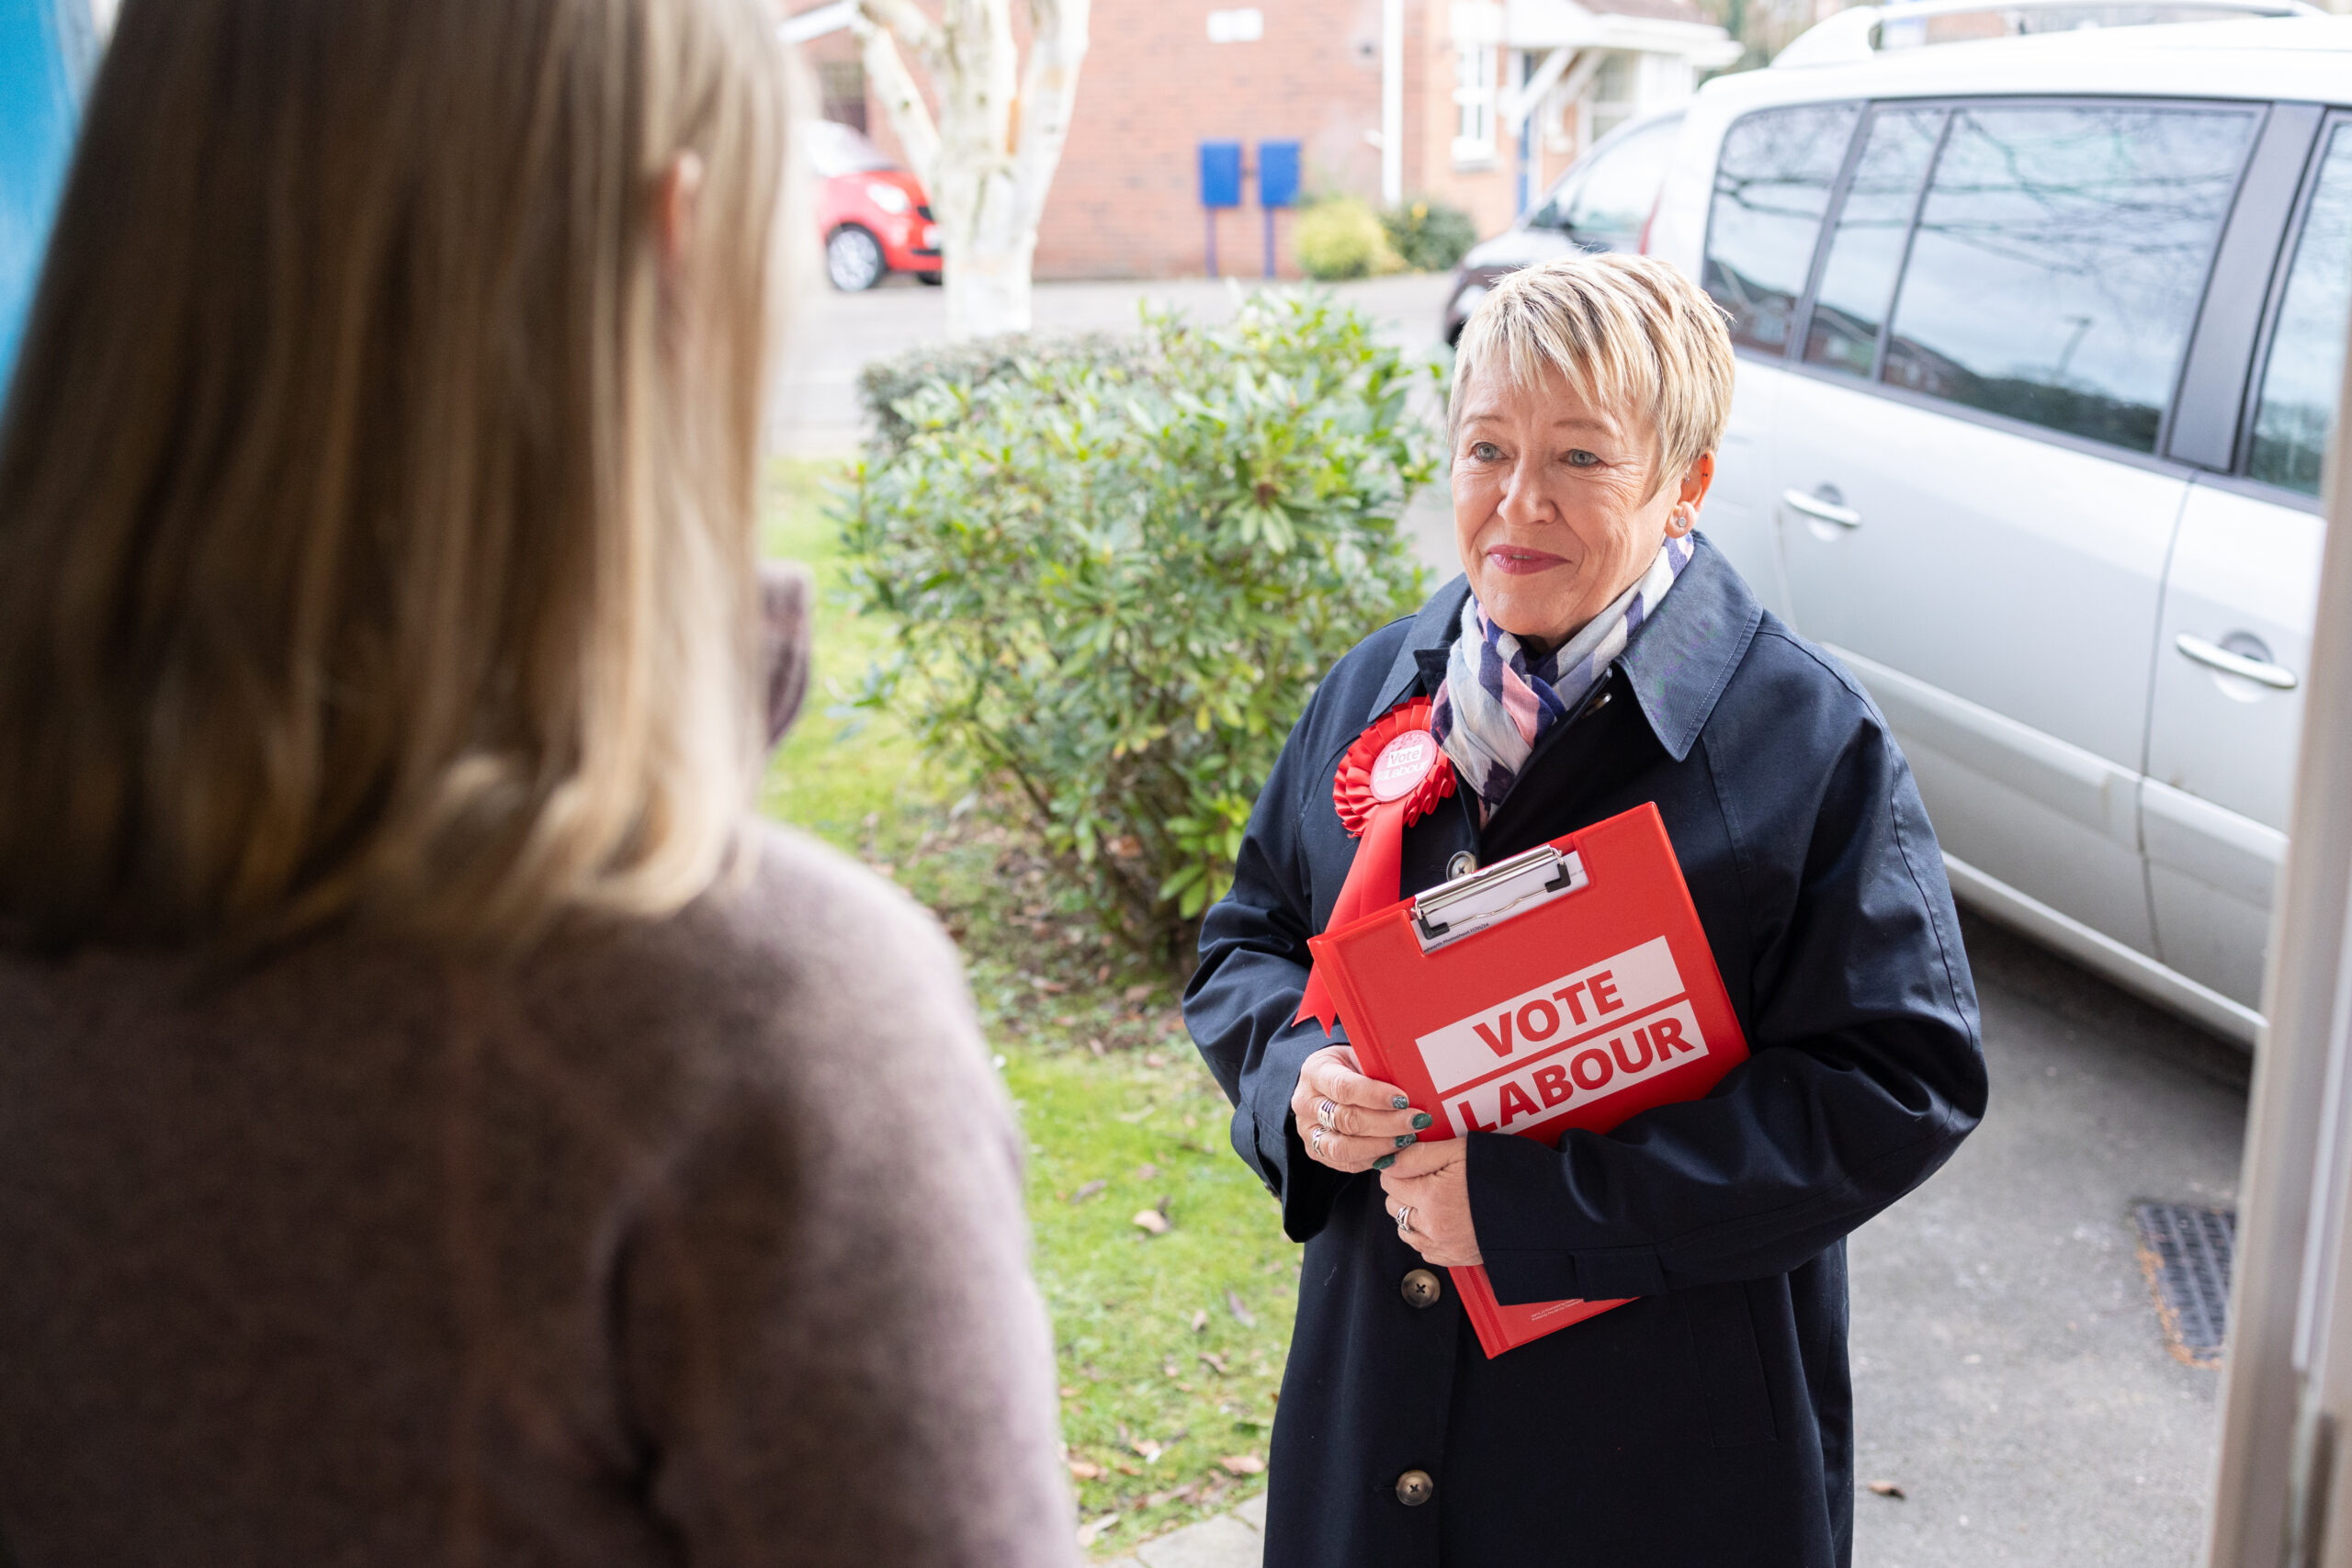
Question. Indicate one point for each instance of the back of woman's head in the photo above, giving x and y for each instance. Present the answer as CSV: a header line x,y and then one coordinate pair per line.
x,y
377,486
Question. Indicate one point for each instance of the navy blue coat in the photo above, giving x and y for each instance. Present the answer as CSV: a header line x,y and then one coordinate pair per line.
x,y
1709,1422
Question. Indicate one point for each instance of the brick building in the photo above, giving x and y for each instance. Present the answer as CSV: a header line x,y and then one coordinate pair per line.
x,y
1485,100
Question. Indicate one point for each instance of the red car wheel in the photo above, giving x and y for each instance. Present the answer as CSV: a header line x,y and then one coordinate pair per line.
x,y
853,259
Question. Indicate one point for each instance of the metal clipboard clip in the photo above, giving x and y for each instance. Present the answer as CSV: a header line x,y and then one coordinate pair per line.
x,y
1488,897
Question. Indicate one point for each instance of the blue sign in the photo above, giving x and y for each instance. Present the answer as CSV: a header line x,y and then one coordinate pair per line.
x,y
46,47
1220,173
1278,174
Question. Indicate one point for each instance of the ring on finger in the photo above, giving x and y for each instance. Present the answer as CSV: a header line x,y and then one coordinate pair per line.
x,y
1315,1138
1404,1218
1326,1113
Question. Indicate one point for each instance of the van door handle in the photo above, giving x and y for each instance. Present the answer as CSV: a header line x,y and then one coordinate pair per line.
x,y
1825,507
2261,671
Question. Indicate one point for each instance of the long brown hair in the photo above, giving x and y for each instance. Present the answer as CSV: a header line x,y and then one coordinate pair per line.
x,y
377,501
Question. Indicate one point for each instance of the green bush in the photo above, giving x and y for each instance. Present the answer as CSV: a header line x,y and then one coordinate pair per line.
x,y
1341,238
1114,571
1430,235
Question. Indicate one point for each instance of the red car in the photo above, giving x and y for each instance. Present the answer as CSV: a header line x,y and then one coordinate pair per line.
x,y
872,214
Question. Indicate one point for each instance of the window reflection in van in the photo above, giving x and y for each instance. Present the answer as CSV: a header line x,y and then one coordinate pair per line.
x,y
1773,185
1866,247
2302,382
2059,260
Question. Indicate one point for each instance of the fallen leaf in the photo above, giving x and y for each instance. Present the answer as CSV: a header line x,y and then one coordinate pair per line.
x,y
1172,1495
1887,1489
1051,988
1096,1047
1102,974
1091,1190
1125,1469
1200,1322
1214,1361
1243,1464
1137,993
1085,1469
1154,1059
1241,1315
1068,1392
1150,1219
1146,1171
1087,1534
1168,1368
1147,1451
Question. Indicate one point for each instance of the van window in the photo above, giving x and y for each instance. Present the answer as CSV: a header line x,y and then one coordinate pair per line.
x,y
2059,260
1773,185
2300,382
1866,245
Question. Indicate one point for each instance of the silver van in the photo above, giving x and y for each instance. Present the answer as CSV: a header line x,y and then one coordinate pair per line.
x,y
2041,343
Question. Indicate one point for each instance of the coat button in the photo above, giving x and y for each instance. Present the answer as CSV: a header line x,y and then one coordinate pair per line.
x,y
1421,1288
1463,864
1415,1488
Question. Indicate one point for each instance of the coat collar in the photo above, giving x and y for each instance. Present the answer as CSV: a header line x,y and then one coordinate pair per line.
x,y
1677,665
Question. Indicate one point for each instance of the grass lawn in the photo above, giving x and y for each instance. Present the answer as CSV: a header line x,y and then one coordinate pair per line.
x,y
1171,1341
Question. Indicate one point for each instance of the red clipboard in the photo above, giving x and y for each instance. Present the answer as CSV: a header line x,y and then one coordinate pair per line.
x,y
1568,987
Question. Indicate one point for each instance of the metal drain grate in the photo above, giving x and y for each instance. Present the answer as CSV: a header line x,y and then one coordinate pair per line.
x,y
2185,1252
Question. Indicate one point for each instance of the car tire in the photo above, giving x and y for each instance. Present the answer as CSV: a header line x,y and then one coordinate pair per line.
x,y
931,279
853,259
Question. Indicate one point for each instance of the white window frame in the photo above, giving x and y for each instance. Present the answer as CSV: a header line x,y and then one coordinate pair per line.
x,y
1247,25
1622,70
1477,31
1475,66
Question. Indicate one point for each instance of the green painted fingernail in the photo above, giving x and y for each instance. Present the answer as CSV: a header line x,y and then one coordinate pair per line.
x,y
1398,1103
1384,1162
1405,1138
1420,1118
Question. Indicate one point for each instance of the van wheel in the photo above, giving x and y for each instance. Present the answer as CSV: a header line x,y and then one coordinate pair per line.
x,y
853,259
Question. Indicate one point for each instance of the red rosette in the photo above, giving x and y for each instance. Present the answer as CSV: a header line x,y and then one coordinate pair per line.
x,y
1351,788
1392,777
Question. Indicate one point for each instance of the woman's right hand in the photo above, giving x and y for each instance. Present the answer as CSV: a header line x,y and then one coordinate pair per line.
x,y
1349,1122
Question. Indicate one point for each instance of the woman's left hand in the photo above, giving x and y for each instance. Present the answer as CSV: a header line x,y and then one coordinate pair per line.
x,y
1429,1184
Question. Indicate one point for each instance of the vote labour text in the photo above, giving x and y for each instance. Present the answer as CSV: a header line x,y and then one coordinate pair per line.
x,y
1565,1043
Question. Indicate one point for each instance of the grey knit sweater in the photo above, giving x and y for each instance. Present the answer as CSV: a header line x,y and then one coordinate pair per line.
x,y
697,1242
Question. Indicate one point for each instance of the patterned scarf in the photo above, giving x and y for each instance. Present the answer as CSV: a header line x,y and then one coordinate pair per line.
x,y
1495,706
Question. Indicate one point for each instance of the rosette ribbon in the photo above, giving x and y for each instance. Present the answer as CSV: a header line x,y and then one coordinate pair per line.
x,y
1392,777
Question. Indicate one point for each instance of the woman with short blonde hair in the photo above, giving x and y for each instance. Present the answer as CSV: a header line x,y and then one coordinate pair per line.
x,y
1597,655
437,1122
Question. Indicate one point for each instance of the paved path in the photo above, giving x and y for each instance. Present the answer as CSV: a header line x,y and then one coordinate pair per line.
x,y
835,335
1229,1541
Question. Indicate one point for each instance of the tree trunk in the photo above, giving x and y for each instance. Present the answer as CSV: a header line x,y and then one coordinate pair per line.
x,y
997,143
